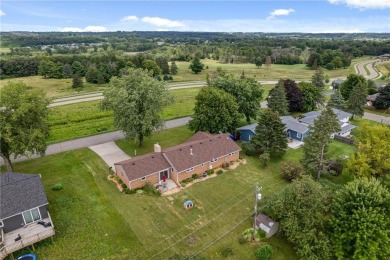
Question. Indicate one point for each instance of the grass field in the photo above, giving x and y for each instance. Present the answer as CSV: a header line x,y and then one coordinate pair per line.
x,y
54,87
384,68
275,72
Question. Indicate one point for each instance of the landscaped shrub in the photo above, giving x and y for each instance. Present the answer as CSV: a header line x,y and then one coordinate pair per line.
x,y
248,234
195,176
248,149
183,184
57,186
219,172
226,251
225,166
261,235
151,190
124,186
264,252
242,240
211,171
128,191
120,181
264,159
291,170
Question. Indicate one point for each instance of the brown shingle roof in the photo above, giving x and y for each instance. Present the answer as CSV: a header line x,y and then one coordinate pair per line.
x,y
203,150
144,165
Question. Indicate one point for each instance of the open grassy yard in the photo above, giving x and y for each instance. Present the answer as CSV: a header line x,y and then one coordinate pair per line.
x,y
275,72
55,87
384,67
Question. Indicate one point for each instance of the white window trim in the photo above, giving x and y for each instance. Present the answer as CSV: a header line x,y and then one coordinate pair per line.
x,y
202,165
250,137
143,178
231,154
190,169
39,212
214,160
299,135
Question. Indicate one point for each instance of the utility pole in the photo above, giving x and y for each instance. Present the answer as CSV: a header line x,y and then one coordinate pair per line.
x,y
257,190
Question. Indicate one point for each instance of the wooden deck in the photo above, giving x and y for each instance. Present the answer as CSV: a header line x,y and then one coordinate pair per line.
x,y
30,235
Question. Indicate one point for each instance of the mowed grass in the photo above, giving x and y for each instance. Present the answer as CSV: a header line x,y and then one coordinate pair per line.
x,y
54,87
275,72
384,67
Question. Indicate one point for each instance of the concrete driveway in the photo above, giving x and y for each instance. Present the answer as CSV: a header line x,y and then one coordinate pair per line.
x,y
110,153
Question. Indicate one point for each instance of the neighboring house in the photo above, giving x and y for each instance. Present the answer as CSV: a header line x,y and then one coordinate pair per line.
x,y
200,153
22,205
266,224
371,98
384,57
294,129
380,85
342,117
337,82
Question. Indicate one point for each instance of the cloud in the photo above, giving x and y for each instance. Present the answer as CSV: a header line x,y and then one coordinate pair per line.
x,y
363,4
162,22
131,18
90,28
279,12
2,13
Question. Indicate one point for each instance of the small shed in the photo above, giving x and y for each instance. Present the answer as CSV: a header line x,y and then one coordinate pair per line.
x,y
188,204
266,224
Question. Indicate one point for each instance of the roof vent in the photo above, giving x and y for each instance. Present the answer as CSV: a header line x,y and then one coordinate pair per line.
x,y
201,143
180,149
153,157
133,163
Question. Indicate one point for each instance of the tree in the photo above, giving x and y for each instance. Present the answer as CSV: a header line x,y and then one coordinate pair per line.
x,y
336,101
93,75
77,81
152,66
318,79
50,69
302,208
259,62
312,96
77,67
277,100
162,62
372,156
270,134
24,126
137,100
360,224
291,170
196,65
268,62
316,145
246,91
293,95
371,87
347,86
357,99
173,68
383,100
215,111
67,71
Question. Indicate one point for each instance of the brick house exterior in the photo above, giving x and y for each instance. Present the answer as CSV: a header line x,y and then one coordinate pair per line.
x,y
200,153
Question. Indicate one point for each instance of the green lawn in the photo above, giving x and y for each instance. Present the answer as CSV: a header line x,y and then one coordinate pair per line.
x,y
275,72
55,87
380,112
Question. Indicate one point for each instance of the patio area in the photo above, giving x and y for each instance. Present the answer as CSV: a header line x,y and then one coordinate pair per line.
x,y
294,144
166,186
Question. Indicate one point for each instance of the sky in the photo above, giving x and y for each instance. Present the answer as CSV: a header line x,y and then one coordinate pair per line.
x,y
310,16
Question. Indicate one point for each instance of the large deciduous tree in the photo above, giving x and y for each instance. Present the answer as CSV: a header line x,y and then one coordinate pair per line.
x,y
360,223
372,157
270,134
196,66
24,125
337,101
293,95
357,99
137,100
302,208
347,86
312,96
246,91
277,100
174,68
316,145
383,100
215,111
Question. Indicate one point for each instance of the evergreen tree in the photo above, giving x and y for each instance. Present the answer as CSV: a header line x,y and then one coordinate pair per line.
x,y
196,65
173,68
371,87
318,79
67,71
270,134
312,96
77,81
337,101
277,101
357,99
360,223
215,111
77,67
316,145
383,100
352,81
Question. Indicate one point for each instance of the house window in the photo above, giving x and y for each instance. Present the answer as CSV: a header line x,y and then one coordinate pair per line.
x,y
32,215
190,169
214,160
202,165
298,135
143,178
231,154
250,137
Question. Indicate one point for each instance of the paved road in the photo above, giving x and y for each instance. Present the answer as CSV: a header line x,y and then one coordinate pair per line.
x,y
94,140
373,73
377,118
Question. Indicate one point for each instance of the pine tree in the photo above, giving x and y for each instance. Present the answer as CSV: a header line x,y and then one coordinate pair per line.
x,y
357,99
67,71
77,81
337,101
318,79
316,145
277,101
270,134
196,65
173,68
383,100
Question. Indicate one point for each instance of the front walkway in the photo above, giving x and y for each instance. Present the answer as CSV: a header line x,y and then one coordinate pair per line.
x,y
110,153
294,144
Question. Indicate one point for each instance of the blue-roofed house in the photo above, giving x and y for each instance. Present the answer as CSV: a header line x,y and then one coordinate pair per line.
x,y
246,132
